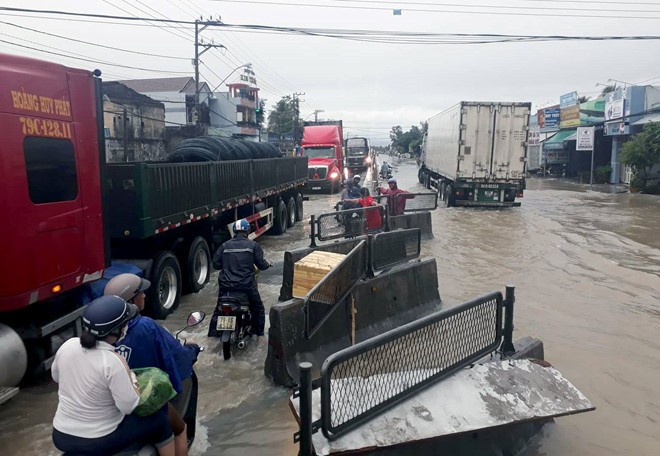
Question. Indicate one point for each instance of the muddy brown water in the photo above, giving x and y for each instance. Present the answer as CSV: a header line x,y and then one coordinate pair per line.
x,y
586,266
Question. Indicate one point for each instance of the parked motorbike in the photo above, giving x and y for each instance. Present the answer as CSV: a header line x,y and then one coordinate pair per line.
x,y
185,403
231,321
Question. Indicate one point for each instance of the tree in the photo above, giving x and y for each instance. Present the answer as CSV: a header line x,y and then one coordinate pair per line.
x,y
642,152
583,99
608,89
409,141
260,113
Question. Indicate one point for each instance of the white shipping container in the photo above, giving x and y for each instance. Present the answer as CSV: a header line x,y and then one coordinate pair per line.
x,y
479,141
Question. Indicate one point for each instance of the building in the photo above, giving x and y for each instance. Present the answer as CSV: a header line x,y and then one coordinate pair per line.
x,y
234,113
178,96
134,125
627,110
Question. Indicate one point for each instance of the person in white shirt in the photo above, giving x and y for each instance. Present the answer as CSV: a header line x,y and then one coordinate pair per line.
x,y
97,391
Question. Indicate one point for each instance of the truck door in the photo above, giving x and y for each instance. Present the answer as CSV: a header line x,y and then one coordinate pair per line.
x,y
511,123
43,252
477,129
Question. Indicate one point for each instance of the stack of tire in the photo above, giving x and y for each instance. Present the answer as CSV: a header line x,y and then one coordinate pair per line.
x,y
210,148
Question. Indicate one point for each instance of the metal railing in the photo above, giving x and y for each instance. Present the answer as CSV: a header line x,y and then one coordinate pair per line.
x,y
349,223
403,203
394,247
363,380
326,295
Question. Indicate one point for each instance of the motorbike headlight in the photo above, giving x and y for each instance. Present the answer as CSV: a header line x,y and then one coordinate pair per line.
x,y
334,175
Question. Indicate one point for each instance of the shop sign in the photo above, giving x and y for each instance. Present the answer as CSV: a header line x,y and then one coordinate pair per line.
x,y
569,117
569,99
615,109
552,119
585,138
534,136
616,128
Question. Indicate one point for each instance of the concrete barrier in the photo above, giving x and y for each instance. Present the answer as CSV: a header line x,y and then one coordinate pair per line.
x,y
290,258
399,296
421,220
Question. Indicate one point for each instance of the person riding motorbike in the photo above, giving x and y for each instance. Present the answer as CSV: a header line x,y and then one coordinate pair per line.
x,y
148,344
97,392
356,182
236,259
350,192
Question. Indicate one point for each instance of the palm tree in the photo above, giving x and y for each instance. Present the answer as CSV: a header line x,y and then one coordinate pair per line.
x,y
608,89
583,99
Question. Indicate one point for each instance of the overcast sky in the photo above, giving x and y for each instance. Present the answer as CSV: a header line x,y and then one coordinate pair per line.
x,y
370,86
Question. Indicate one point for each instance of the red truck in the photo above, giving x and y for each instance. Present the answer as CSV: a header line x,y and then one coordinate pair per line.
x,y
322,144
67,213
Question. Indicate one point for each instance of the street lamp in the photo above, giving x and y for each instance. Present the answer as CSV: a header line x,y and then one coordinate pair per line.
x,y
622,82
245,65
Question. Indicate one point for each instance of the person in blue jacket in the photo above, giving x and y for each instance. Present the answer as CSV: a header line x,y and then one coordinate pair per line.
x,y
148,344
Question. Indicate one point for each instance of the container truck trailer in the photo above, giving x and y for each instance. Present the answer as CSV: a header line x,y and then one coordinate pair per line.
x,y
474,153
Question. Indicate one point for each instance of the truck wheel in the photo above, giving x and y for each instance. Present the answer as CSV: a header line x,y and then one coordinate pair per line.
x,y
421,176
299,208
291,213
443,188
198,265
280,219
165,291
449,196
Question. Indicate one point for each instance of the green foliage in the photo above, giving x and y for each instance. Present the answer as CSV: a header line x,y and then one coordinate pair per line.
x,y
409,141
260,113
642,152
602,174
284,118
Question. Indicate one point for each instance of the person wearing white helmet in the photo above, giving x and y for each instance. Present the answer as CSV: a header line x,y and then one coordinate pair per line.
x,y
97,393
236,259
145,343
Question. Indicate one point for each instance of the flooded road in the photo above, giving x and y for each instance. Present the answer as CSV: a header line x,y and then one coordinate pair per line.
x,y
586,266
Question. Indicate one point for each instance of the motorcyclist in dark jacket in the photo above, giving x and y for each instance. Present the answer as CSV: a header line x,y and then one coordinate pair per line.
x,y
236,259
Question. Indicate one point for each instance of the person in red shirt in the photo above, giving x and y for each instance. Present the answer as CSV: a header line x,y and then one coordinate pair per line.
x,y
372,216
397,205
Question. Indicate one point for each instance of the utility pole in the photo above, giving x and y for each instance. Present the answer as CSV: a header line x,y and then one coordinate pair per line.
x,y
200,26
316,114
296,111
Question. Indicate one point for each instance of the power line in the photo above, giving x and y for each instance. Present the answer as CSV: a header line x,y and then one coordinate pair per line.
x,y
118,65
445,11
114,48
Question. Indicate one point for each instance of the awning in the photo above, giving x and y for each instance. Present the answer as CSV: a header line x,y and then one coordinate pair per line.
x,y
647,119
557,141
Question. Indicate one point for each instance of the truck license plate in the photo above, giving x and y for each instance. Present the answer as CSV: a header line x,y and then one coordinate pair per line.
x,y
225,323
316,188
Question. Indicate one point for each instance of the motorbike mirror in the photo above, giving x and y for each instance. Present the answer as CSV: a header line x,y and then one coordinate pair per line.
x,y
195,318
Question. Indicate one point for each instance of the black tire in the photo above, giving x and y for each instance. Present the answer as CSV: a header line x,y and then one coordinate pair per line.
x,y
449,196
421,176
279,219
291,213
300,214
164,295
198,265
427,181
226,350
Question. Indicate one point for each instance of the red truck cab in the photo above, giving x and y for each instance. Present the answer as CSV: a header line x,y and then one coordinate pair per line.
x,y
49,172
322,144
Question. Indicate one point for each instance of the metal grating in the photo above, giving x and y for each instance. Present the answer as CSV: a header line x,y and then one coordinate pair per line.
x,y
394,247
333,288
366,379
350,223
416,202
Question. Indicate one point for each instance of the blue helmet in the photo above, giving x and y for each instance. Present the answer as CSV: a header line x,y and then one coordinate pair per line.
x,y
241,225
107,313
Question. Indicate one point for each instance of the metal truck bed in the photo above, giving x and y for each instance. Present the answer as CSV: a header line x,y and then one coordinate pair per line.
x,y
144,199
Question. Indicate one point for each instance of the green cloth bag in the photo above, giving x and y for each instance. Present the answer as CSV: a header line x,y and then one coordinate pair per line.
x,y
155,390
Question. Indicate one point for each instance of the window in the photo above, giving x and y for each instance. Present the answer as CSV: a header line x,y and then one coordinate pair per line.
x,y
51,170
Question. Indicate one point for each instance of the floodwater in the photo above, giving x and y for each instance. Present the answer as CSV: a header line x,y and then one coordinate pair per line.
x,y
586,266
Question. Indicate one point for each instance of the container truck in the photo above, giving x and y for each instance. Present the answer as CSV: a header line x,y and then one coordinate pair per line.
x,y
474,153
67,214
358,154
322,143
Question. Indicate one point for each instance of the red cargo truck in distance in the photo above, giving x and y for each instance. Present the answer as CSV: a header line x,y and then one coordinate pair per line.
x,y
67,213
322,143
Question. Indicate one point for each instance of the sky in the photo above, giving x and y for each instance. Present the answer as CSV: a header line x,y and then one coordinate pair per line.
x,y
370,86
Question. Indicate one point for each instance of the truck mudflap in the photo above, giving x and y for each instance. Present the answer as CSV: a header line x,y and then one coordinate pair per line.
x,y
487,203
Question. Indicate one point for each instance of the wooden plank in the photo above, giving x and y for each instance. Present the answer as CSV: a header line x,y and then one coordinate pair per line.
x,y
310,270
